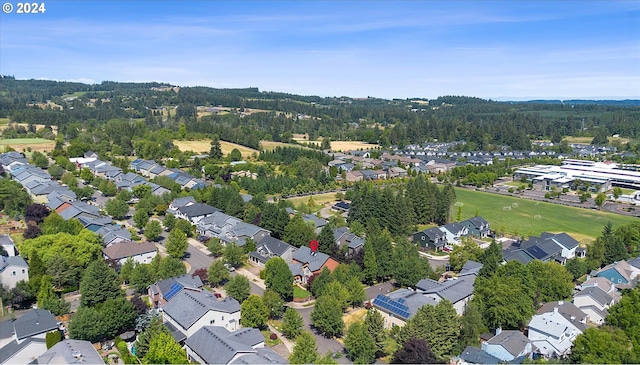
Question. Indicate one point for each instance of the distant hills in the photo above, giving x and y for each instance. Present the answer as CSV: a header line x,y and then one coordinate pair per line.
x,y
627,102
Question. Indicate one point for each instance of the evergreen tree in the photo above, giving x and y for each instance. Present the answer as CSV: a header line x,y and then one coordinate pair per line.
x,y
491,259
374,324
438,325
216,151
614,248
359,344
370,272
144,338
326,241
99,283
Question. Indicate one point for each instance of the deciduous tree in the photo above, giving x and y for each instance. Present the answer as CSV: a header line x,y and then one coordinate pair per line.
x,y
177,243
238,287
278,277
217,273
163,349
304,350
152,230
327,316
415,351
292,323
254,312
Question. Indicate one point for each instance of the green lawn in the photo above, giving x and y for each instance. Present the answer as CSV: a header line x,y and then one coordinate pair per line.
x,y
24,141
299,292
526,217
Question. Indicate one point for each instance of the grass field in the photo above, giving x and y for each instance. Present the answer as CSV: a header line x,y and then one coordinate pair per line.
x,y
319,199
203,146
271,145
298,292
351,145
20,144
526,217
587,140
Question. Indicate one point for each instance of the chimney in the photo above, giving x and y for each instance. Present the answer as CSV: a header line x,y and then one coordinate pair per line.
x,y
561,302
498,330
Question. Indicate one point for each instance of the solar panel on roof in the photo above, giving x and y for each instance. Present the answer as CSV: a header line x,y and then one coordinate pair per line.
x,y
175,288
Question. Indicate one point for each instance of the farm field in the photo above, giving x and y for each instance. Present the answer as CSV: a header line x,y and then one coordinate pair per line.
x,y
20,144
527,217
203,146
351,145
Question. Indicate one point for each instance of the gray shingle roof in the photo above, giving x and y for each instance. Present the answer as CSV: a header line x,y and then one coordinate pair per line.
x,y
71,352
273,245
216,345
263,355
189,306
470,267
597,294
318,222
512,341
474,355
453,290
185,281
304,255
197,210
34,322
12,261
13,347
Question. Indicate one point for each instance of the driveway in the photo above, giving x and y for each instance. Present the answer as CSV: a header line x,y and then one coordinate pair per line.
x,y
382,288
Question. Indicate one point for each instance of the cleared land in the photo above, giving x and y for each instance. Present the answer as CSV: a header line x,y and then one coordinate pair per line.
x,y
587,140
351,145
203,146
527,217
271,145
20,144
319,199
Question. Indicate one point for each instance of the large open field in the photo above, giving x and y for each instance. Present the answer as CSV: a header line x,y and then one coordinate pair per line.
x,y
271,145
351,145
20,144
526,217
203,146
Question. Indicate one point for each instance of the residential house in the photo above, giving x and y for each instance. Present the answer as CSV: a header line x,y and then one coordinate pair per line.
x,y
195,212
23,340
269,247
547,247
12,270
343,237
7,245
353,176
94,224
163,291
399,306
508,346
70,352
477,227
218,345
307,263
178,203
368,175
395,171
12,157
188,311
77,210
341,206
602,283
139,252
453,232
113,233
553,333
230,229
619,273
474,355
594,302
430,238
39,190
457,290
317,222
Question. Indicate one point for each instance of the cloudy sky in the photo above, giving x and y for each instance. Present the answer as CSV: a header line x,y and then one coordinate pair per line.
x,y
505,50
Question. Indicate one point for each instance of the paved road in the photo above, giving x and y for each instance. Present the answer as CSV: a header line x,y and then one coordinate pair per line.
x,y
382,288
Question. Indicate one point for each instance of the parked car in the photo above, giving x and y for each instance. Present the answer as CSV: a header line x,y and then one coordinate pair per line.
x,y
230,268
447,249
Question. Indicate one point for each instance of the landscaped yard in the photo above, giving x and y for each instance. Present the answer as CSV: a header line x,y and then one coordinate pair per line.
x,y
300,293
527,217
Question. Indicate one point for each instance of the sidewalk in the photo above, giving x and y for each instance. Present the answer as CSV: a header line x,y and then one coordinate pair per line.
x,y
252,277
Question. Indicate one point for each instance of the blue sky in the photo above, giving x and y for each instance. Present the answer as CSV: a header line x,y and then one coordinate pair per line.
x,y
499,50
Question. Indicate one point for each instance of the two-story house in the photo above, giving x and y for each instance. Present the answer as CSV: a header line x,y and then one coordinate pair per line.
x,y
189,311
163,291
477,227
269,247
139,252
508,345
12,270
430,238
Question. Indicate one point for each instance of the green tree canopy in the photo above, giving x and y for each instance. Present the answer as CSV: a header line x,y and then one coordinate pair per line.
x,y
117,208
152,230
217,273
327,316
177,243
292,323
304,350
279,278
254,312
163,349
99,283
298,233
238,287
360,344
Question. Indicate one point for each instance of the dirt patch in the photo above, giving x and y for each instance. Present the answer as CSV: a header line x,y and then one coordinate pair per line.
x,y
354,316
